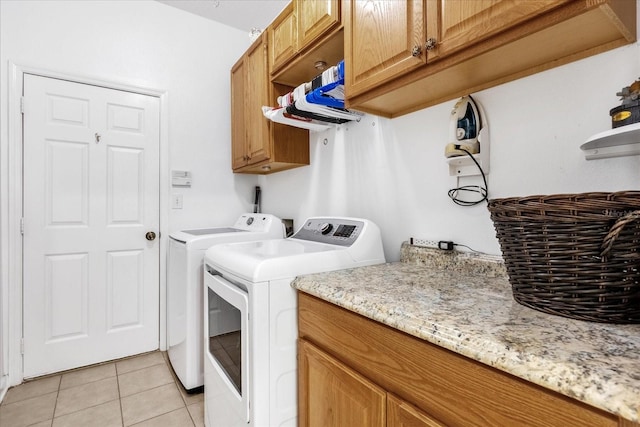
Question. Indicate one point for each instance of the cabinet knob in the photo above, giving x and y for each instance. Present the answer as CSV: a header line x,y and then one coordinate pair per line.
x,y
431,43
416,51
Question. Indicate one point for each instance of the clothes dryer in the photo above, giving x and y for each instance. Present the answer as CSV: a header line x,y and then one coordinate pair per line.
x,y
250,326
185,288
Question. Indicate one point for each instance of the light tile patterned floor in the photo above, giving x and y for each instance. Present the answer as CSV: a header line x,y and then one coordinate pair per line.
x,y
140,391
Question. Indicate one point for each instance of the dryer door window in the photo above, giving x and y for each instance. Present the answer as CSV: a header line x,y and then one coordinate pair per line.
x,y
225,338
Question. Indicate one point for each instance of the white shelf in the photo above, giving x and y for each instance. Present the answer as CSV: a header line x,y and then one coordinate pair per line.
x,y
618,142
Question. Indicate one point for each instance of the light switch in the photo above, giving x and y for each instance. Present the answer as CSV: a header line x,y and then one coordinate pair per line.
x,y
176,201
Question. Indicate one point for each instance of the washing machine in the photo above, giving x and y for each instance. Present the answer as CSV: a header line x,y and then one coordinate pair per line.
x,y
185,288
250,322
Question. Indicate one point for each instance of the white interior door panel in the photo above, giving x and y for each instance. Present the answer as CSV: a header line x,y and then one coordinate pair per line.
x,y
91,193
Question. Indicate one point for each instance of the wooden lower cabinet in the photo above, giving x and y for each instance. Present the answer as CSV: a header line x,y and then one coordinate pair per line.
x,y
357,372
335,395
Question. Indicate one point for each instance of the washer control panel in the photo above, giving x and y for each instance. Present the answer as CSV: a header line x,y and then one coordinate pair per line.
x,y
257,222
334,231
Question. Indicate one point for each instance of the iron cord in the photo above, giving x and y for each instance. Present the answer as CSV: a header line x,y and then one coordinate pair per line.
x,y
483,191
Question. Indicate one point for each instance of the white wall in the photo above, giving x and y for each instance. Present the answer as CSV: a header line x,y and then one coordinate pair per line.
x,y
391,171
394,172
144,44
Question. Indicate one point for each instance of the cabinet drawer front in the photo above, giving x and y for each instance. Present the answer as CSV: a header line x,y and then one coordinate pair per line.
x,y
452,388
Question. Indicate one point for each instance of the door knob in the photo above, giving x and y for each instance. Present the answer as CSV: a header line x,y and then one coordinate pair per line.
x,y
150,235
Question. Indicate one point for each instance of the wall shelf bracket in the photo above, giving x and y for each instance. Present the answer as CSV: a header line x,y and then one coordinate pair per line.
x,y
618,142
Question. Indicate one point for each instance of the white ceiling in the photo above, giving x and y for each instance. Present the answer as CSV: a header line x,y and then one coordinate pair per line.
x,y
241,14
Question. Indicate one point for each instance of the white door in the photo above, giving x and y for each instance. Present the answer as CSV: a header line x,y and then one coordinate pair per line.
x,y
91,194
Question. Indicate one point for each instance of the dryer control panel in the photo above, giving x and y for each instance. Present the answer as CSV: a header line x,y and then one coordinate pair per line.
x,y
334,231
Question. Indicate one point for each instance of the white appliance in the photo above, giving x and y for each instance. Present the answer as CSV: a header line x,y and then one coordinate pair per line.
x,y
250,327
185,288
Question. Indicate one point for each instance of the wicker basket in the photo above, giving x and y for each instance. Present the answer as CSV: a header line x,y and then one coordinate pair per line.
x,y
573,255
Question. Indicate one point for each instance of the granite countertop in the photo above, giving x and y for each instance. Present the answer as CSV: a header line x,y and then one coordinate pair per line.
x,y
464,303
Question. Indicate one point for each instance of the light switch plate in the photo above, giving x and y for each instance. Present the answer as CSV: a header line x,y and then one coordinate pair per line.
x,y
176,201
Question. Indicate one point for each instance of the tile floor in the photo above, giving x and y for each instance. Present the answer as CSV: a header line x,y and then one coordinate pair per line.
x,y
140,391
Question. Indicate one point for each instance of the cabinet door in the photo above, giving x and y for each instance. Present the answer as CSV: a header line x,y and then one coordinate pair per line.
x,y
256,95
283,38
403,414
383,40
315,18
333,395
238,128
458,24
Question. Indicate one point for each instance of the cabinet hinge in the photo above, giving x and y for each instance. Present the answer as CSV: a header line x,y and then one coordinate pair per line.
x,y
22,104
22,226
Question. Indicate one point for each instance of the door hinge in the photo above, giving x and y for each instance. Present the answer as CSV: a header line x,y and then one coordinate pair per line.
x,y
22,104
21,345
22,226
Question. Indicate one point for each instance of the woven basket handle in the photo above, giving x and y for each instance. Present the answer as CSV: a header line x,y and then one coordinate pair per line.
x,y
614,231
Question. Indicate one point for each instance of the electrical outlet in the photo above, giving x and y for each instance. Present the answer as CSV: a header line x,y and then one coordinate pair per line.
x,y
424,243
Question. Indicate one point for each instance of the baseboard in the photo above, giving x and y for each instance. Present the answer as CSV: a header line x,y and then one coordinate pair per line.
x,y
4,386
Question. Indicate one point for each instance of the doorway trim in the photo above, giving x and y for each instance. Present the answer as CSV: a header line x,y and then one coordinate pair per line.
x,y
12,300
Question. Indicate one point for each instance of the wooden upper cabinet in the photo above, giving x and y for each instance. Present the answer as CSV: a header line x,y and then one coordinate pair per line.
x,y
387,39
256,95
306,33
453,25
316,18
383,40
283,38
257,145
238,128
468,45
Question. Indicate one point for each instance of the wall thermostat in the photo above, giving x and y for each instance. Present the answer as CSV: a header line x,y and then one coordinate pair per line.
x,y
181,178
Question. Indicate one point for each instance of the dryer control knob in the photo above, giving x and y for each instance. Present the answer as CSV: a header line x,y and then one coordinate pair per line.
x,y
250,220
326,228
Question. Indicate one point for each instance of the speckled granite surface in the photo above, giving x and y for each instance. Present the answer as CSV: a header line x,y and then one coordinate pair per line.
x,y
464,303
